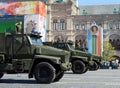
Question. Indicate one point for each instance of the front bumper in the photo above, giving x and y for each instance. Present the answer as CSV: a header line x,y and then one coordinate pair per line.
x,y
66,66
91,63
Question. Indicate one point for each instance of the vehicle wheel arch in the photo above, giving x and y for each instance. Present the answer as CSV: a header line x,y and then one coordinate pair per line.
x,y
74,59
97,62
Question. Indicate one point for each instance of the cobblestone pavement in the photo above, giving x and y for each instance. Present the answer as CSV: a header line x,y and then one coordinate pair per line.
x,y
91,79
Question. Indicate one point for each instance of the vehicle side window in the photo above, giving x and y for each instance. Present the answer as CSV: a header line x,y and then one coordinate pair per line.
x,y
25,41
21,45
61,46
17,43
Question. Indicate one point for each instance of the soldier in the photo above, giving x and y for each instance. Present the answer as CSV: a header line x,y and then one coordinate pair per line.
x,y
18,27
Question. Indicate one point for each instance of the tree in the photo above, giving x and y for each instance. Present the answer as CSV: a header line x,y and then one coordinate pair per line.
x,y
109,51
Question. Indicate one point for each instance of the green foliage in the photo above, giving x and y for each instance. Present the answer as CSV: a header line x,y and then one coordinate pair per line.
x,y
109,51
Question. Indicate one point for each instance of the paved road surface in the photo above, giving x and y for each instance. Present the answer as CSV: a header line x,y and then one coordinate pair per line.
x,y
91,79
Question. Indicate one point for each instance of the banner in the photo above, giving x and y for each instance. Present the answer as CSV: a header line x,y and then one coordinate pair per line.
x,y
89,35
100,42
23,8
95,40
33,16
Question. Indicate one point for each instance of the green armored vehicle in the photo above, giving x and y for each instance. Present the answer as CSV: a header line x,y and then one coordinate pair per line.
x,y
25,53
97,62
80,60
96,59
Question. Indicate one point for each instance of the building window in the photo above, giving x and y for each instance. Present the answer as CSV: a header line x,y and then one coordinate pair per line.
x,y
110,25
117,25
83,26
84,12
55,24
76,27
62,24
115,43
100,24
119,11
114,11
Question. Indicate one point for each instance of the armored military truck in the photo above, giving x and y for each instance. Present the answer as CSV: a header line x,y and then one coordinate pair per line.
x,y
25,53
97,62
96,59
80,60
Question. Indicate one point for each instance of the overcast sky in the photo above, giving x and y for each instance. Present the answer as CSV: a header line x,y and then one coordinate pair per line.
x,y
97,2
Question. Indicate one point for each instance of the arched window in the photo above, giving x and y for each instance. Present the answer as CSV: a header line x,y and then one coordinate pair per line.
x,y
117,25
62,24
115,41
84,12
110,40
76,27
59,38
55,24
83,26
115,11
110,25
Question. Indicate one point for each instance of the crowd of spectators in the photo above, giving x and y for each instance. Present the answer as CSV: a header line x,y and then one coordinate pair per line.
x,y
110,64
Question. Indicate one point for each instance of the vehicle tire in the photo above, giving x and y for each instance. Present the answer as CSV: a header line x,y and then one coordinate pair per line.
x,y
1,75
86,69
98,66
94,67
78,67
44,73
59,77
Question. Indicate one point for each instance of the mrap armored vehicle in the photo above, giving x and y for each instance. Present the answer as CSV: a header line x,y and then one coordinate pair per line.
x,y
81,61
97,62
96,59
25,53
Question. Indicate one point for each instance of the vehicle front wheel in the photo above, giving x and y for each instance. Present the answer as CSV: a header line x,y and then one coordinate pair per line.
x,y
86,69
44,72
78,67
94,67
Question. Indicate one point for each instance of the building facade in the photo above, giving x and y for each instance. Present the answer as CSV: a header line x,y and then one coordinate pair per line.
x,y
100,9
68,22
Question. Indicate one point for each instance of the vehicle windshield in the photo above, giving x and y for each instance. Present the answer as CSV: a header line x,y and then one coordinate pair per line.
x,y
71,47
35,40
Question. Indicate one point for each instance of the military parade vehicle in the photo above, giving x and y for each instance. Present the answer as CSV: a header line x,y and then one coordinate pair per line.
x,y
80,60
97,62
25,53
96,59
